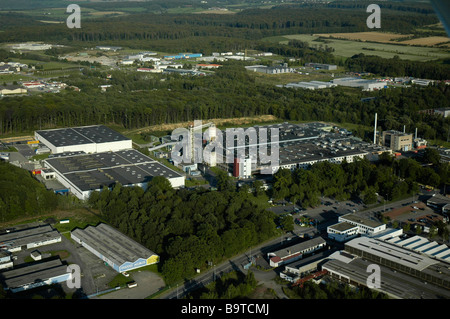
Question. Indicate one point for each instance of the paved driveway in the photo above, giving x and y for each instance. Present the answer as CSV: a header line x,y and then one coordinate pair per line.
x,y
148,283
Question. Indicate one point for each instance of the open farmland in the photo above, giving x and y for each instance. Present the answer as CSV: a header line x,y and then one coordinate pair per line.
x,y
382,37
348,48
429,41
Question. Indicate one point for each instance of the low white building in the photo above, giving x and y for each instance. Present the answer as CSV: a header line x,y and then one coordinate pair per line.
x,y
29,237
295,252
352,225
89,139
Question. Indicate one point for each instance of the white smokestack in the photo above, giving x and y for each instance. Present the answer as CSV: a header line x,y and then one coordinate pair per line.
x,y
416,133
375,130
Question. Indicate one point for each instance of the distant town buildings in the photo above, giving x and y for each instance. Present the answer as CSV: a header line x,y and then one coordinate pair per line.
x,y
270,69
312,85
321,66
108,48
31,46
12,90
444,111
182,56
365,85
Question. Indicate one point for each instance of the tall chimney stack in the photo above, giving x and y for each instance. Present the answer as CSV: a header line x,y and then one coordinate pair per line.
x,y
375,130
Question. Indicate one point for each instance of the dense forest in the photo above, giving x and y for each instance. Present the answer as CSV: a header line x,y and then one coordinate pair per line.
x,y
360,179
138,100
187,228
142,28
21,195
398,67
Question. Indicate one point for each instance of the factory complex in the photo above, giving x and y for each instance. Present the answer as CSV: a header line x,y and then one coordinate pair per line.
x,y
404,273
85,173
91,158
297,146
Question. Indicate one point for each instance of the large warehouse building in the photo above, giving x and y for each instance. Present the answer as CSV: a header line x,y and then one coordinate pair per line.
x,y
29,236
404,273
89,139
117,250
85,173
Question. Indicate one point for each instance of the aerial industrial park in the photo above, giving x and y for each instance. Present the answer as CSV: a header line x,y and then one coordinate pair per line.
x,y
82,160
239,151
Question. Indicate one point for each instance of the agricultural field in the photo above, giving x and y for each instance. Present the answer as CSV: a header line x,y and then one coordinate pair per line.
x,y
429,41
59,15
383,37
348,48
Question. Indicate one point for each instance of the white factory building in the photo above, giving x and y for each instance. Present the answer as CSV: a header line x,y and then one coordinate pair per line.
x,y
84,173
295,252
365,85
89,139
351,225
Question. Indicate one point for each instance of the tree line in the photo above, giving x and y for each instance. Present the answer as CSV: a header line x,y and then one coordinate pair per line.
x,y
187,228
137,100
21,195
360,179
398,67
250,24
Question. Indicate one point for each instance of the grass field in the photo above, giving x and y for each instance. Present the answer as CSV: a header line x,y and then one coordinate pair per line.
x,y
348,48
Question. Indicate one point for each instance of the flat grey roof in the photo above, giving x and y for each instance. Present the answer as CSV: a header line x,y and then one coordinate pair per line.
x,y
391,252
81,135
394,283
299,247
27,236
342,226
361,220
94,171
41,271
112,244
310,259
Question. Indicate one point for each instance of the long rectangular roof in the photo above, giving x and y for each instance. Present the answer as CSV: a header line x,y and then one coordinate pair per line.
x,y
299,247
360,220
94,171
81,135
29,274
391,252
112,244
27,236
